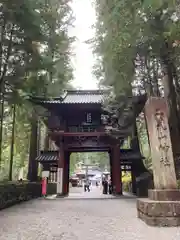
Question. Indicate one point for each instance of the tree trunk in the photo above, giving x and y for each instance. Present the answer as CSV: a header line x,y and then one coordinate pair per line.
x,y
33,164
1,124
170,95
134,139
155,78
46,140
39,137
12,143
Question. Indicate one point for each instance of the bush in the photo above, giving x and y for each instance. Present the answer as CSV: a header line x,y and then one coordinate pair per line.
x,y
178,184
13,193
126,186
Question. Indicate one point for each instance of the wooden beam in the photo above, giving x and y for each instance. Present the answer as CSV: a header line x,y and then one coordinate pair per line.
x,y
79,134
86,149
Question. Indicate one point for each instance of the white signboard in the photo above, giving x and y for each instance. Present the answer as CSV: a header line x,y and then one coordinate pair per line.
x,y
59,180
45,174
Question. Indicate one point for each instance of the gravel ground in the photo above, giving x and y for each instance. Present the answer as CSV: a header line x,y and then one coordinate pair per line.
x,y
83,218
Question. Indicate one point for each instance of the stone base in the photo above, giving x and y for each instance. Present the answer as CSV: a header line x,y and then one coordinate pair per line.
x,y
164,195
159,213
160,210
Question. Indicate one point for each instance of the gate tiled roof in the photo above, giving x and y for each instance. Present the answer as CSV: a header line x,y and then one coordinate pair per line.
x,y
48,156
76,97
83,96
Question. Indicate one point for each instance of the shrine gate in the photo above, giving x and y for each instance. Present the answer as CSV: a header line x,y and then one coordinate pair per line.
x,y
76,123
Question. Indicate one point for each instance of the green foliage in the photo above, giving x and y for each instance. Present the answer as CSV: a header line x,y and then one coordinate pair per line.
x,y
35,52
130,40
19,34
137,51
126,143
144,141
114,42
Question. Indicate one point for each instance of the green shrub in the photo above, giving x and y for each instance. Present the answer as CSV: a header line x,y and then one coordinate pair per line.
x,y
178,184
126,186
12,193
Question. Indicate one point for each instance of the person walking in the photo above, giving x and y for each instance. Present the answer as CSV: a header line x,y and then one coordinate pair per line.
x,y
87,185
105,186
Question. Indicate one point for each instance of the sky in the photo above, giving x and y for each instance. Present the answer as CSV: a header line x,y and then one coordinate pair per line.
x,y
83,60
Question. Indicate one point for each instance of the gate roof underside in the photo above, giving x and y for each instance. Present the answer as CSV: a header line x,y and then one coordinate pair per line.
x,y
127,157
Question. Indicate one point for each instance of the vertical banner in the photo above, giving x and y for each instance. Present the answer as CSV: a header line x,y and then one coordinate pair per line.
x,y
44,186
59,180
45,175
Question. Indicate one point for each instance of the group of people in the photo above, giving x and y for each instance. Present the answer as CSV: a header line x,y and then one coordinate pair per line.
x,y
107,186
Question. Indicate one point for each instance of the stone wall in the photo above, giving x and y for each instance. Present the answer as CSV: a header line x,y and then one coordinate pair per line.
x,y
13,193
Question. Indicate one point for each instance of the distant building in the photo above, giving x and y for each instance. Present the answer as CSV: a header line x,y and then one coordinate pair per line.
x,y
93,171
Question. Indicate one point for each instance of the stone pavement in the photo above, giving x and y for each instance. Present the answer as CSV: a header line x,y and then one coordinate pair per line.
x,y
82,218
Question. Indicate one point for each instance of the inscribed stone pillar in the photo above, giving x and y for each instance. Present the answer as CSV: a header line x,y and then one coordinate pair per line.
x,y
156,110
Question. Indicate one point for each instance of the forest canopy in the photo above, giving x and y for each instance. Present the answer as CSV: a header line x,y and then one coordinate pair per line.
x,y
35,52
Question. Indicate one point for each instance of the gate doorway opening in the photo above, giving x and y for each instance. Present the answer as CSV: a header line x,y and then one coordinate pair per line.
x,y
89,168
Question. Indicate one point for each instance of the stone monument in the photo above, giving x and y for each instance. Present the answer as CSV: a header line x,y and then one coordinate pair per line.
x,y
162,207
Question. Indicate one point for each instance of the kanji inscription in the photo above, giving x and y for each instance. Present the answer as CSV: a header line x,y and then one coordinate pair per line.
x,y
162,136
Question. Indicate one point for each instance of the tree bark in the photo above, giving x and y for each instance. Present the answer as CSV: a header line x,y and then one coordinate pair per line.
x,y
1,123
46,140
33,164
12,143
170,95
135,140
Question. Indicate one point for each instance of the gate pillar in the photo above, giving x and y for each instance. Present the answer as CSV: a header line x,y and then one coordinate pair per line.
x,y
116,170
61,171
110,163
66,174
68,171
133,179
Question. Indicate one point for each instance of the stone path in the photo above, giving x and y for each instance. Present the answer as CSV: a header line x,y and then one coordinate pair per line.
x,y
79,219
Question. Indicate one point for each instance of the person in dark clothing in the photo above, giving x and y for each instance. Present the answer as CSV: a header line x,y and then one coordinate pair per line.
x,y
87,185
110,186
105,186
